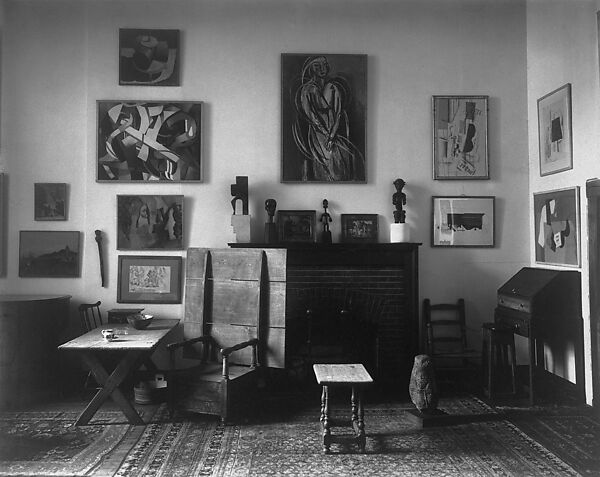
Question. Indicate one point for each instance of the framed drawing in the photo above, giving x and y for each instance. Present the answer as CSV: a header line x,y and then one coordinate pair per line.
x,y
296,225
463,221
324,118
149,57
360,228
460,137
50,201
44,253
554,131
149,222
557,229
149,141
149,279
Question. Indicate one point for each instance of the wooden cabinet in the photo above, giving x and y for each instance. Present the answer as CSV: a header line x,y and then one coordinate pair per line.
x,y
29,333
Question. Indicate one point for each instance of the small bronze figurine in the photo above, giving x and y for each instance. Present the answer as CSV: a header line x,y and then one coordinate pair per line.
x,y
239,191
325,220
399,200
270,227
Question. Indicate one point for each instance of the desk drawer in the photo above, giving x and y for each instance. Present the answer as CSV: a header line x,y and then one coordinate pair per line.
x,y
520,324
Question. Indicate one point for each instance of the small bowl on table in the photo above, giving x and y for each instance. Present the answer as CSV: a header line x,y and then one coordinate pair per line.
x,y
140,321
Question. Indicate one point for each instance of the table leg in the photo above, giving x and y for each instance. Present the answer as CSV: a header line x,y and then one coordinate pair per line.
x,y
532,364
325,424
358,418
110,386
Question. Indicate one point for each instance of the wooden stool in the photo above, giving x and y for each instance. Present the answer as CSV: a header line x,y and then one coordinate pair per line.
x,y
498,341
354,375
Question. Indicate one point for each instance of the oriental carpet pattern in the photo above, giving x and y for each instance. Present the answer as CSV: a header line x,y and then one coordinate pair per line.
x,y
484,443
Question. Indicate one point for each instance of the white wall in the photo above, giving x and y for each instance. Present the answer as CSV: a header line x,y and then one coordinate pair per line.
x,y
59,57
562,47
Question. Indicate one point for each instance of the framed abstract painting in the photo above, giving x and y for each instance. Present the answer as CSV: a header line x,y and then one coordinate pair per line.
x,y
324,118
360,228
460,137
557,229
463,221
296,225
555,131
149,279
149,141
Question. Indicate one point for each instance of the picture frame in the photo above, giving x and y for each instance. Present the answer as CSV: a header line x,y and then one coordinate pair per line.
x,y
49,254
555,134
308,153
149,279
463,221
296,225
149,141
148,57
557,227
360,228
460,137
150,222
49,201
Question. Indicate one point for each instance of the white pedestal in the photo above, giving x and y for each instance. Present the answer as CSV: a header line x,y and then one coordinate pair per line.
x,y
399,233
241,228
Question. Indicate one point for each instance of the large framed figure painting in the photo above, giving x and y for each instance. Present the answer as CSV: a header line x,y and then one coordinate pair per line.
x,y
49,253
555,132
149,222
557,229
145,141
324,118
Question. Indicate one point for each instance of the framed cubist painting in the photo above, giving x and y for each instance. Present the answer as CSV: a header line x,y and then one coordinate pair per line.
x,y
149,222
463,221
49,253
148,57
554,131
149,279
149,141
557,229
324,118
460,137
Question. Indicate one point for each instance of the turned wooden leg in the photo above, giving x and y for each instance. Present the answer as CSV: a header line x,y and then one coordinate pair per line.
x,y
358,418
325,424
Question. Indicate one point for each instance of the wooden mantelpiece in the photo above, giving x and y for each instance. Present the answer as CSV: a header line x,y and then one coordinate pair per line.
x,y
388,270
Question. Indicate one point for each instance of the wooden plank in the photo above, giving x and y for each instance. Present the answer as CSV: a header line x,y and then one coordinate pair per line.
x,y
235,302
273,354
276,264
194,301
227,335
342,374
196,262
239,264
275,314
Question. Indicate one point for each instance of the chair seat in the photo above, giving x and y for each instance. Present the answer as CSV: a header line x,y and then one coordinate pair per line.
x,y
212,372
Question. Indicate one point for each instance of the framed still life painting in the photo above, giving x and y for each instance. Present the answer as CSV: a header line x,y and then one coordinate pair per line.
x,y
463,221
555,132
149,222
460,137
149,141
148,57
324,118
149,279
557,229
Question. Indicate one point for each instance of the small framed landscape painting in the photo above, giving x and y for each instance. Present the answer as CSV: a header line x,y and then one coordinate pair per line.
x,y
460,137
149,222
555,132
296,225
463,221
148,57
44,253
359,228
557,229
149,279
50,201
149,141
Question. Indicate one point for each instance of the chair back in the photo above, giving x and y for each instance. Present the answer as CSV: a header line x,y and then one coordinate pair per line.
x,y
89,315
445,327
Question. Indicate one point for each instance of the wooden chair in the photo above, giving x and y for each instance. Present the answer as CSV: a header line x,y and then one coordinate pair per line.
x,y
233,324
446,337
90,318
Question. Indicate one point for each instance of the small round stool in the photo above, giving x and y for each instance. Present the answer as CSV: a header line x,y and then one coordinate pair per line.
x,y
498,343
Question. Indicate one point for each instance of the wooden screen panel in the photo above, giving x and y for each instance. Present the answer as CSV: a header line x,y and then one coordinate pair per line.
x,y
236,264
234,302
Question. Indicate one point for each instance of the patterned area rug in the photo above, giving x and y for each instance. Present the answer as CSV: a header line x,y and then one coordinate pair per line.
x,y
483,446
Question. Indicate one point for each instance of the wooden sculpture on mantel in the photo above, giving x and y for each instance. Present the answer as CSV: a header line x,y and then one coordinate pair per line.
x,y
325,220
399,230
270,226
240,222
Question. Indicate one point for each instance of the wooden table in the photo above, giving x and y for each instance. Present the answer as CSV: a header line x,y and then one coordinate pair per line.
x,y
135,348
354,375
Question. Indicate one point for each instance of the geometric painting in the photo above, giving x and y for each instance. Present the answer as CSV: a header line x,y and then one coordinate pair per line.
x,y
149,141
149,222
49,253
148,57
556,221
323,118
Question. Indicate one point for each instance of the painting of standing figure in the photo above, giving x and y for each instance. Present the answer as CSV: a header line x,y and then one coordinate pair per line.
x,y
324,102
147,222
